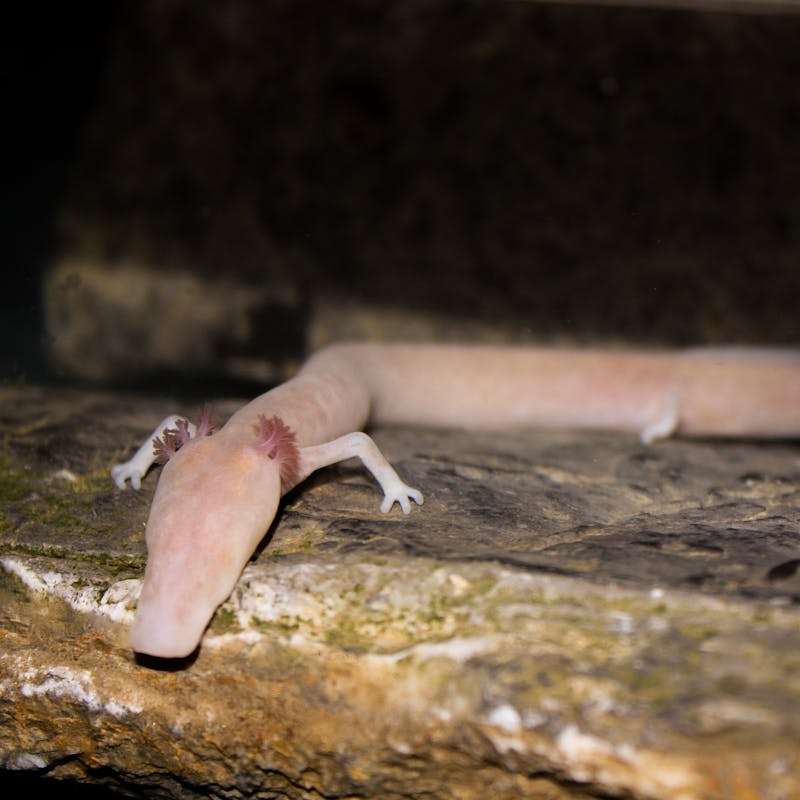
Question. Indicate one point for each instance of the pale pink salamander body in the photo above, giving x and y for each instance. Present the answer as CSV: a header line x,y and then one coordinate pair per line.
x,y
218,494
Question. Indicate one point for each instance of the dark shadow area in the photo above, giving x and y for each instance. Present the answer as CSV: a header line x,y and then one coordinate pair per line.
x,y
20,783
52,68
588,172
167,664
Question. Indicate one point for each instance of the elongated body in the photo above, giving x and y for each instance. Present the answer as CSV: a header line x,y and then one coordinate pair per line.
x,y
218,493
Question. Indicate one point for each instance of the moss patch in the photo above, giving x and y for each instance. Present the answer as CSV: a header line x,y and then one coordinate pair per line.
x,y
46,515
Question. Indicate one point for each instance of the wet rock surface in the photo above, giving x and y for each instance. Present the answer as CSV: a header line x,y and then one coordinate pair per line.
x,y
568,615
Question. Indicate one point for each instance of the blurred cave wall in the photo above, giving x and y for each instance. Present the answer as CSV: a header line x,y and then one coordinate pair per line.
x,y
252,180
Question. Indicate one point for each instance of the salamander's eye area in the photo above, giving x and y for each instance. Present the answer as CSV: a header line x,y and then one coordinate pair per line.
x,y
172,439
278,441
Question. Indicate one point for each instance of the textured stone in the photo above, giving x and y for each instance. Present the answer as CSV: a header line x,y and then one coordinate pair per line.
x,y
133,322
567,616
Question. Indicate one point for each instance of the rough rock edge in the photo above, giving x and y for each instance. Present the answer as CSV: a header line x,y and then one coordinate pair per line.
x,y
459,618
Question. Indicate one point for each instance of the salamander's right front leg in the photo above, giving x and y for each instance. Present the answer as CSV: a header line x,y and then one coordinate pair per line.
x,y
360,445
136,468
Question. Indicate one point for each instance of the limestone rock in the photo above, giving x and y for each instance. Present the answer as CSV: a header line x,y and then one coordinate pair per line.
x,y
567,616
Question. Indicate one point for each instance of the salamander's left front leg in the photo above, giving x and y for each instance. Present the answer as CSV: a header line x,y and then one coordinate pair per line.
x,y
171,433
361,446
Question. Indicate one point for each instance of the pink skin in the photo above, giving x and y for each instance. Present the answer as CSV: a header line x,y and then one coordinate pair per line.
x,y
210,511
218,494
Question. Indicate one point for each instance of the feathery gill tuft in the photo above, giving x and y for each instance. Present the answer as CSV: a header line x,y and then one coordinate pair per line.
x,y
175,438
279,442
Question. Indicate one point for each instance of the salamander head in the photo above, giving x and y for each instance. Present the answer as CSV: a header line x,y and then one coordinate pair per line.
x,y
214,502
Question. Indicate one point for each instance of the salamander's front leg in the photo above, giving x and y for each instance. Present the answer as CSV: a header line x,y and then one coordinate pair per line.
x,y
136,468
361,446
